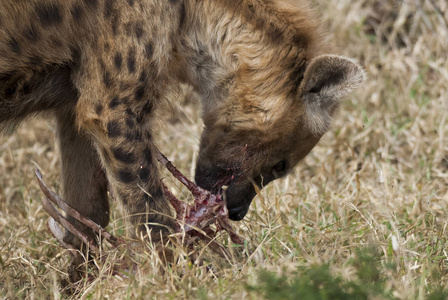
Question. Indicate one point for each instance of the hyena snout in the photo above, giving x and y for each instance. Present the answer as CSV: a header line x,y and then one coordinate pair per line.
x,y
239,196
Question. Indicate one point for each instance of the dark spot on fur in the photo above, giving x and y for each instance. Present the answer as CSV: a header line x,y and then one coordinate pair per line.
x,y
49,14
92,3
35,61
125,176
138,29
5,77
158,193
11,90
115,25
26,89
249,13
14,45
301,39
114,102
131,61
147,154
77,12
75,54
182,16
31,34
143,173
118,61
275,34
130,2
149,50
8,77
99,109
173,1
123,156
148,107
113,129
128,28
108,6
129,112
130,122
107,79
140,92
143,77
140,118
251,8
106,46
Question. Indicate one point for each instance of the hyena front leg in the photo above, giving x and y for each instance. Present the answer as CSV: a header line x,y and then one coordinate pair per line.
x,y
122,136
84,182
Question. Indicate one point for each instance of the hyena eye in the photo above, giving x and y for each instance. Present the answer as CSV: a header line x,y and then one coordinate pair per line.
x,y
279,168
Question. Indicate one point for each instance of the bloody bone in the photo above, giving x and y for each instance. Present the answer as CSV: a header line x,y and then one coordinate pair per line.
x,y
193,221
58,217
207,209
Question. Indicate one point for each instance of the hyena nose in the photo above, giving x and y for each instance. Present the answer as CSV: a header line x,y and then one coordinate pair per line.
x,y
239,196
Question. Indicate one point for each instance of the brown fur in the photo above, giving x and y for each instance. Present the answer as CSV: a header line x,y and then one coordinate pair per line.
x,y
103,67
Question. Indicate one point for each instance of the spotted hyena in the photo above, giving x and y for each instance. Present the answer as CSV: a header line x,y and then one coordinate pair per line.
x,y
265,71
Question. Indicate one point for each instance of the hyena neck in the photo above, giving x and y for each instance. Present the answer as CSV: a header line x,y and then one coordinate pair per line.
x,y
202,57
243,47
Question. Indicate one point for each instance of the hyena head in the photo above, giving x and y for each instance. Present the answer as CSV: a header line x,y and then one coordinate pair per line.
x,y
273,94
249,145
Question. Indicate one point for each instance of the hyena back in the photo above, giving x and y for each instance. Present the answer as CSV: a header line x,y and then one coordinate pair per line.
x,y
264,70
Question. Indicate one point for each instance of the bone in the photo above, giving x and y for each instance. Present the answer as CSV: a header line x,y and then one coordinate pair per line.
x,y
193,221
53,197
207,209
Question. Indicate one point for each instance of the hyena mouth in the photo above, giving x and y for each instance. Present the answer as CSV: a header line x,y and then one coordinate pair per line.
x,y
221,185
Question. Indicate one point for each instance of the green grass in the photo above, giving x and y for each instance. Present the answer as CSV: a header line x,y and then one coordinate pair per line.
x,y
318,282
363,217
369,278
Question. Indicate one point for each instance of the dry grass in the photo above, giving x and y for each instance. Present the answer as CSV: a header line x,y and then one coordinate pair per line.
x,y
378,180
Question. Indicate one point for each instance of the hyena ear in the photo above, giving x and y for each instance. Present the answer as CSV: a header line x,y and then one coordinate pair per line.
x,y
327,79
